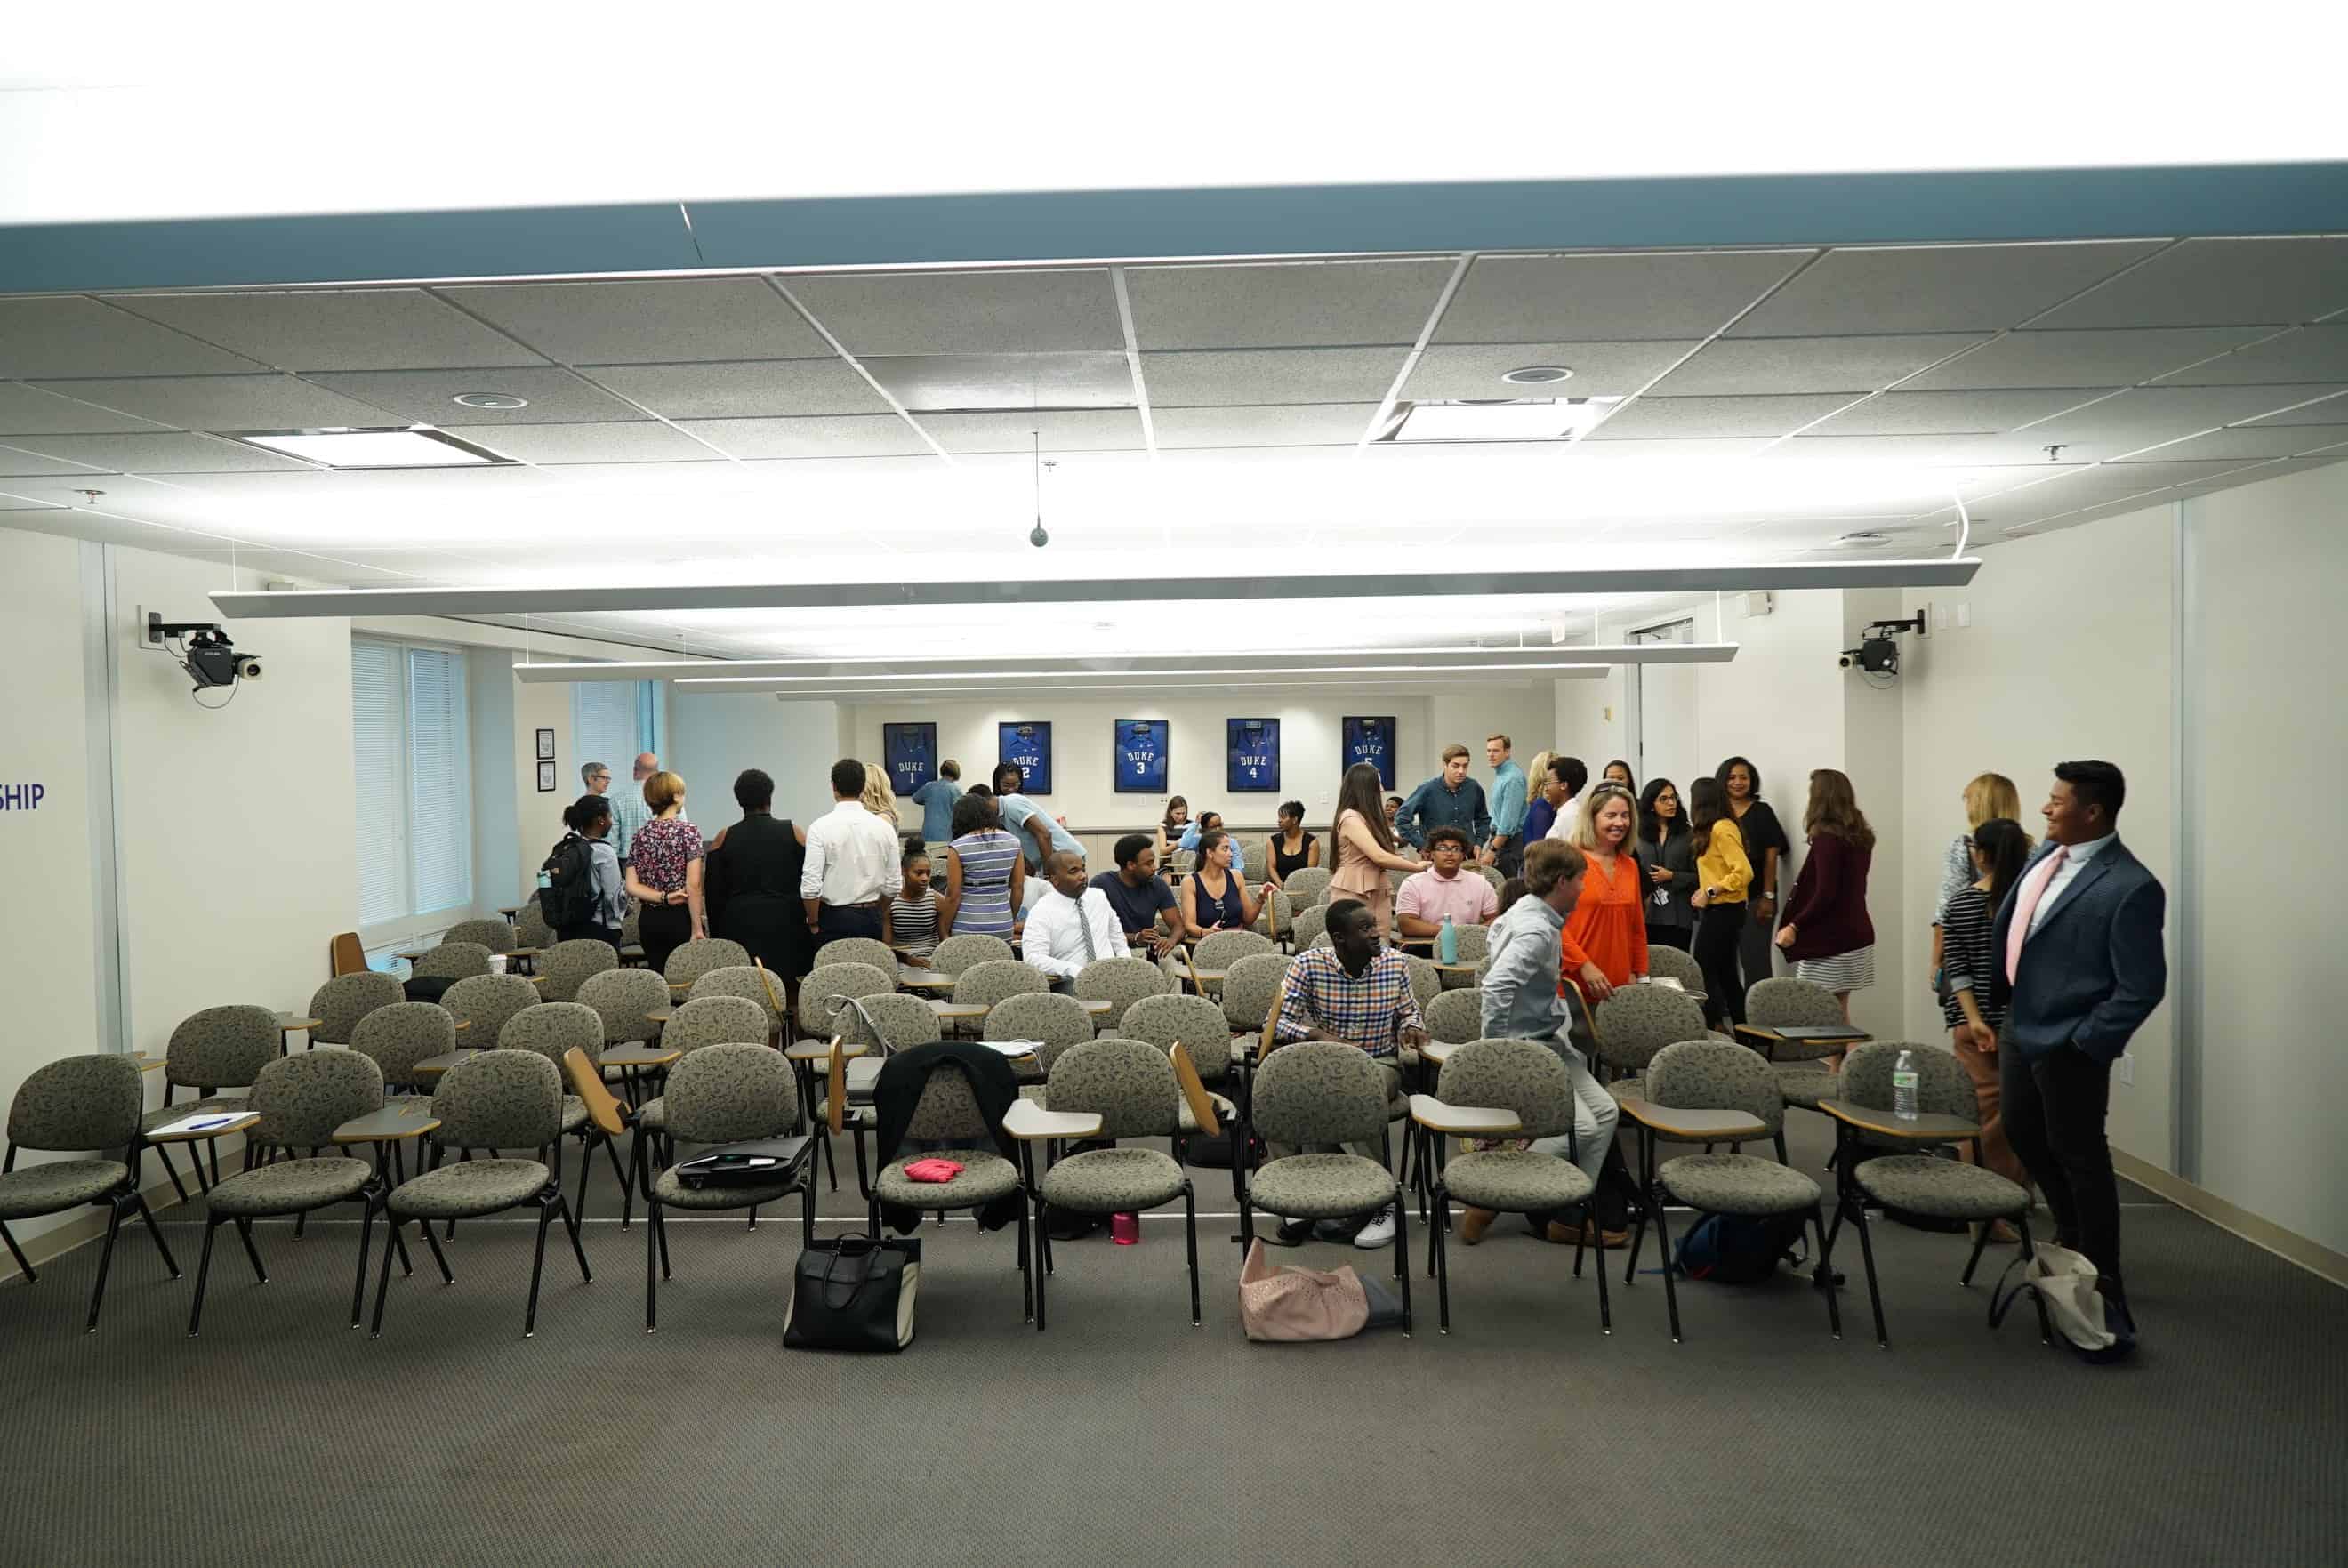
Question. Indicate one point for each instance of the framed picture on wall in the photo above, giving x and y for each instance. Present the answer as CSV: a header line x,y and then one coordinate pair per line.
x,y
1254,756
546,746
1140,757
1028,745
909,753
546,773
1372,740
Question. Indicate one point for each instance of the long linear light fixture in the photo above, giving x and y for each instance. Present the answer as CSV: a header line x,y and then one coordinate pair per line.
x,y
296,604
1006,689
1547,659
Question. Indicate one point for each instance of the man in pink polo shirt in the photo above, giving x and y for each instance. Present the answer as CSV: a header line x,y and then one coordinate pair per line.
x,y
1427,896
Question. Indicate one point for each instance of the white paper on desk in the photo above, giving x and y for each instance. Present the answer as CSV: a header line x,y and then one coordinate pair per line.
x,y
1667,981
1016,1047
202,1123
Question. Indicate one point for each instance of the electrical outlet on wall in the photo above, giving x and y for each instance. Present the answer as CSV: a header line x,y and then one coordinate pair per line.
x,y
2127,1072
1965,613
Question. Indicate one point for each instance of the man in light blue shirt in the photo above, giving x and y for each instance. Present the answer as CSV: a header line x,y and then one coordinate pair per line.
x,y
1509,800
1034,827
936,799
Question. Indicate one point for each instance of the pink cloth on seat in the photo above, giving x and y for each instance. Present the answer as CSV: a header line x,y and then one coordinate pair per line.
x,y
932,1170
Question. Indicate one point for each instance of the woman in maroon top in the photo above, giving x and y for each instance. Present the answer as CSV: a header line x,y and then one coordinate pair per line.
x,y
1826,929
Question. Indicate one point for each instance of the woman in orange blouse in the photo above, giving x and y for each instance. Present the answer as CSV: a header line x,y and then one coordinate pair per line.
x,y
1605,941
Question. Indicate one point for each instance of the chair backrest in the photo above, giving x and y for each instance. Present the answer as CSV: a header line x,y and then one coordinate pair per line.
x,y
1942,1087
451,960
1475,941
956,953
342,1002
567,966
1224,948
715,1021
78,1102
1128,1084
748,982
1320,941
1120,982
1055,1021
551,1028
856,950
948,1110
1522,1076
631,927
1254,859
1670,963
726,1093
1320,1091
1786,1000
1278,914
1183,861
1713,1075
530,926
827,981
988,983
695,959
1425,981
302,1099
902,1021
621,998
1456,1017
1308,885
1250,988
223,1047
1492,875
1637,1021
499,1099
1312,923
1198,1022
344,955
397,1037
486,1001
494,934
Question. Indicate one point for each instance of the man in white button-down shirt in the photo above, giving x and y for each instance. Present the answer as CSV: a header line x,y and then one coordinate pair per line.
x,y
854,862
1071,925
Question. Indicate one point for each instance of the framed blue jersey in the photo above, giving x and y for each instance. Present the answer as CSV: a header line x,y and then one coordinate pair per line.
x,y
1254,756
1372,740
1139,753
1029,746
909,753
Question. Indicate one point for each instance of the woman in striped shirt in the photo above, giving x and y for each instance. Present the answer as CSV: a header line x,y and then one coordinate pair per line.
x,y
985,872
909,922
1969,962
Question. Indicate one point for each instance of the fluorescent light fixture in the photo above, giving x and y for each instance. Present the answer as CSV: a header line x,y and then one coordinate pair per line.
x,y
890,679
1121,688
1544,659
406,447
1728,577
1499,419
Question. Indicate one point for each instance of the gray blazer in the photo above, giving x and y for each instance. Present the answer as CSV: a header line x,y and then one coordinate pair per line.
x,y
2095,968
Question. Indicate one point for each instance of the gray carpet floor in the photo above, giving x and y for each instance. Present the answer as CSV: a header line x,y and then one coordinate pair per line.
x,y
1125,1435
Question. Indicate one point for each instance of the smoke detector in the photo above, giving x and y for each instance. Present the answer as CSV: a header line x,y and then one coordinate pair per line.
x,y
1865,539
1538,374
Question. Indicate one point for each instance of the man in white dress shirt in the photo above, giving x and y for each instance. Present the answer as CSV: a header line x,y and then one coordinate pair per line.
x,y
1071,925
852,861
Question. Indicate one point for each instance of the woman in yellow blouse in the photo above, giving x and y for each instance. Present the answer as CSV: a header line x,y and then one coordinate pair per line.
x,y
1723,875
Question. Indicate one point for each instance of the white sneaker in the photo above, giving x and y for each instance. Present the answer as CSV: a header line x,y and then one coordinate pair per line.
x,y
1379,1232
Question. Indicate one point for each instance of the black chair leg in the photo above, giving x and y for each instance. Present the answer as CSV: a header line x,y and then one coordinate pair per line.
x,y
1671,1291
1590,1228
627,1195
23,1263
106,1257
169,1170
1191,1236
537,1267
383,1281
1825,1275
438,1255
147,1217
1043,1229
661,1231
1867,1254
1438,1260
244,1234
369,1203
651,1249
1401,1257
203,1273
1973,1262
586,1274
2030,1251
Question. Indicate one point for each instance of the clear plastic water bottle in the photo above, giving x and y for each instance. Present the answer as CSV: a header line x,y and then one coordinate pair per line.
x,y
1904,1086
1448,943
544,881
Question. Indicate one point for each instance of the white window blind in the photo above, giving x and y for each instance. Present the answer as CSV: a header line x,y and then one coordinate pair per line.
x,y
440,773
379,757
411,750
609,725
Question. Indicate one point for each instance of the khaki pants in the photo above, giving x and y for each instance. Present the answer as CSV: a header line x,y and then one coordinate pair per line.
x,y
1996,1154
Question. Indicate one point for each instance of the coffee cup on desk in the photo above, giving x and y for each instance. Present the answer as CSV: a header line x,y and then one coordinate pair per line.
x,y
497,963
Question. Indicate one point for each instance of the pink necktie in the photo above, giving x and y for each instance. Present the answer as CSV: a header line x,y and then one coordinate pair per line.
x,y
2026,907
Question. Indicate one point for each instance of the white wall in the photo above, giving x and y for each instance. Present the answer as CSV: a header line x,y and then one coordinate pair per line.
x,y
713,738
2067,655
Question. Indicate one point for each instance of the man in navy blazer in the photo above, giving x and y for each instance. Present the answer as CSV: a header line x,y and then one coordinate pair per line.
x,y
2080,965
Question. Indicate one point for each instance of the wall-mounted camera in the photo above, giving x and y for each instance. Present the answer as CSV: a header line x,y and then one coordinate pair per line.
x,y
203,651
1877,654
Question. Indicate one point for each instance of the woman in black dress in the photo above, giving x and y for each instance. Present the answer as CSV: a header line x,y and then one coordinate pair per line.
x,y
1765,845
753,881
1291,849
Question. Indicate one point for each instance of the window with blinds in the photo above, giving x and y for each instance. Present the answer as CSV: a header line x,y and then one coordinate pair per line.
x,y
611,722
413,761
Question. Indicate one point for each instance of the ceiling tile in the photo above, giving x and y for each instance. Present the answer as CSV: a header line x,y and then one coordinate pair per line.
x,y
2208,283
1675,417
1064,430
1588,451
1953,413
2081,358
429,396
1736,366
648,320
1559,299
770,387
2159,472
1600,369
28,411
2308,354
814,436
335,329
1934,288
2147,415
165,454
17,463
1289,425
1283,305
2303,410
642,441
2247,441
1938,450
965,313
1210,377
64,336
1087,379
227,402
22,504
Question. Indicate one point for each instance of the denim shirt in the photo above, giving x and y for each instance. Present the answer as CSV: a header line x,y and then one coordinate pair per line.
x,y
1520,976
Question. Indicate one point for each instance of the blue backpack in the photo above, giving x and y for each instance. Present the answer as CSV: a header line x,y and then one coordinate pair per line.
x,y
1735,1249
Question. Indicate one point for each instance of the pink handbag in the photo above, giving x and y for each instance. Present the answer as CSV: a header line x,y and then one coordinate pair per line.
x,y
1288,1303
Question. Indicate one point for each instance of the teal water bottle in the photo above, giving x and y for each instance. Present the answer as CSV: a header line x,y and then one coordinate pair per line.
x,y
1449,945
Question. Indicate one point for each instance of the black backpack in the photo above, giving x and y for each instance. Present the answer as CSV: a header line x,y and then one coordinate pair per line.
x,y
1738,1249
568,899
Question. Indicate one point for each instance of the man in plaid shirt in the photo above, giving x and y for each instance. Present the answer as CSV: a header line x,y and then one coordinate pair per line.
x,y
1358,993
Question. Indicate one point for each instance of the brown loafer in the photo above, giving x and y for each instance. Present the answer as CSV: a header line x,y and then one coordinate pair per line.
x,y
1562,1234
1474,1223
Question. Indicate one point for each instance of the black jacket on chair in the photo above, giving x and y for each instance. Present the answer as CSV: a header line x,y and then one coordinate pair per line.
x,y
898,1091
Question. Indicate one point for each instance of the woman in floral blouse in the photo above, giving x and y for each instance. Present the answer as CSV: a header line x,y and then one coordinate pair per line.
x,y
665,867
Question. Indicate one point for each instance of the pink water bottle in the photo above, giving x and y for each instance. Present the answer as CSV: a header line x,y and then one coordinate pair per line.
x,y
1125,1229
